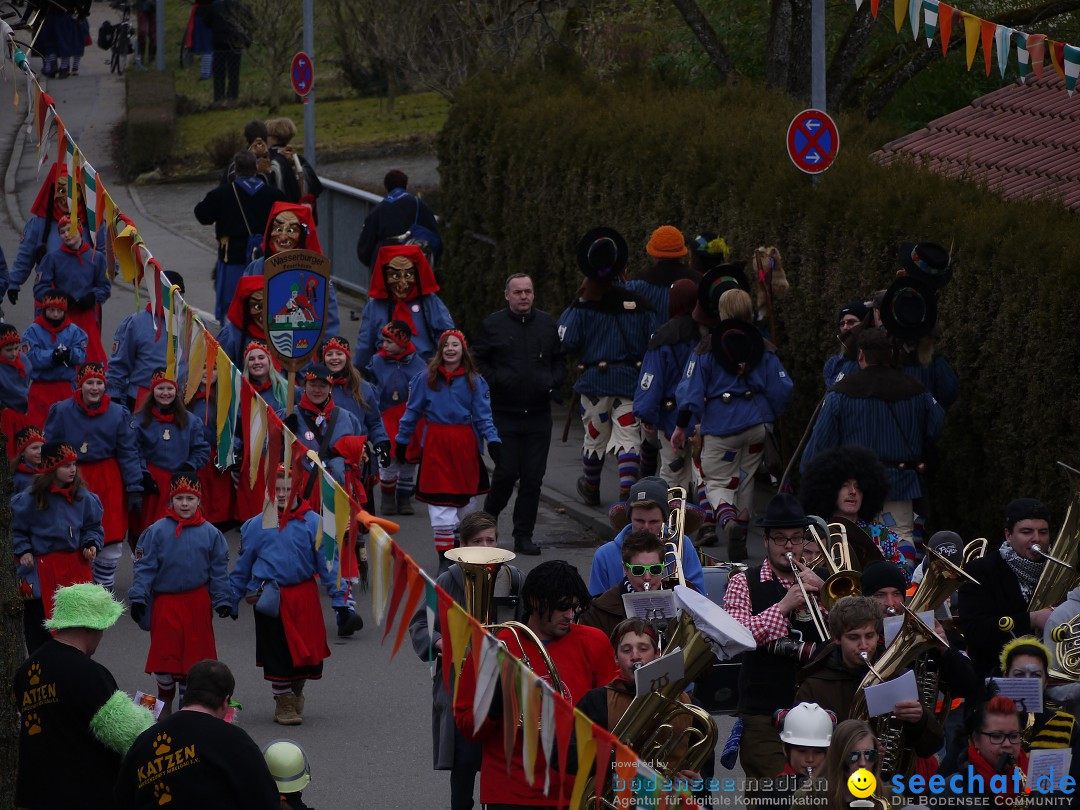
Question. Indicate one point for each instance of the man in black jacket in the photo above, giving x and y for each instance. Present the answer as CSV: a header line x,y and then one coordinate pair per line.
x,y
519,353
398,212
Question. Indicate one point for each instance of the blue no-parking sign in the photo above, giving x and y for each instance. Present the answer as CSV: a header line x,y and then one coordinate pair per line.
x,y
812,141
303,74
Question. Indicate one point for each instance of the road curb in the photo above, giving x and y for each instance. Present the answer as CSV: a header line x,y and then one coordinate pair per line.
x,y
589,517
12,168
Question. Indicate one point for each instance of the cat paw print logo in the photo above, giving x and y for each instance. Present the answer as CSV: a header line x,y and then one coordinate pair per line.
x,y
861,785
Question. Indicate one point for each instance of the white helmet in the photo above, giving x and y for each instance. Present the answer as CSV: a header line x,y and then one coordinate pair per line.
x,y
807,724
288,764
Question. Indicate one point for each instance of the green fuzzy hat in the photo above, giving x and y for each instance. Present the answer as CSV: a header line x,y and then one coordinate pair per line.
x,y
84,605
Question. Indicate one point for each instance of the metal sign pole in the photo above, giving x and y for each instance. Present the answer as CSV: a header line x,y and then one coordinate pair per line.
x,y
817,50
309,106
159,14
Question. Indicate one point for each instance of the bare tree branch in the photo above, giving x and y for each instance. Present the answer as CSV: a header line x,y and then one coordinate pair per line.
x,y
706,35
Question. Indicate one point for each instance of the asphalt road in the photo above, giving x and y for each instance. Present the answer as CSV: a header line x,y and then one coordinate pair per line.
x,y
367,727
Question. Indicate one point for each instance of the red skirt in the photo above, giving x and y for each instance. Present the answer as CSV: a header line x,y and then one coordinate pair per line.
x,y
219,495
103,479
391,418
11,422
450,469
153,505
87,320
58,569
181,631
43,394
302,618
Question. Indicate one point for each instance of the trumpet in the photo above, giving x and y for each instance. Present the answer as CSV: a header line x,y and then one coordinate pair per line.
x,y
812,607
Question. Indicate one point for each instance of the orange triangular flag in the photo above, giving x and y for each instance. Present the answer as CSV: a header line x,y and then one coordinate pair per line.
x,y
944,21
971,36
1057,57
874,7
988,31
1036,46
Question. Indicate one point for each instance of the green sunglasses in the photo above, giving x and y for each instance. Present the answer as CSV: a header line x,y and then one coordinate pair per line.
x,y
656,569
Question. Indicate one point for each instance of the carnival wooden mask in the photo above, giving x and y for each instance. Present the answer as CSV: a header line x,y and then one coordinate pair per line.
x,y
400,277
286,232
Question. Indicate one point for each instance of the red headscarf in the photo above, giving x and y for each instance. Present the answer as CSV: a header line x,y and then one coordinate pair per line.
x,y
45,195
237,313
425,276
308,242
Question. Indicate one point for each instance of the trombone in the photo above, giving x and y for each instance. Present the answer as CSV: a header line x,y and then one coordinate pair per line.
x,y
812,607
674,534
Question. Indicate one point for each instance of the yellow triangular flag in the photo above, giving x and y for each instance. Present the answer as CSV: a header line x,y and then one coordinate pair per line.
x,y
459,633
530,729
196,361
586,753
899,13
972,27
256,437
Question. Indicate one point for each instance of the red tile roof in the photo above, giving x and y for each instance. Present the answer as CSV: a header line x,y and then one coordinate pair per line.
x,y
1023,141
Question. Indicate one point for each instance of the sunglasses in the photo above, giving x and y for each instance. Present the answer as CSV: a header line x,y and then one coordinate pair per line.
x,y
656,569
868,756
568,604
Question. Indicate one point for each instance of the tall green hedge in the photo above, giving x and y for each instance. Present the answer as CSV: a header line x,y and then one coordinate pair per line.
x,y
534,161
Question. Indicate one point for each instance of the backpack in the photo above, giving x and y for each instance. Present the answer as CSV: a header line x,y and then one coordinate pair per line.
x,y
105,36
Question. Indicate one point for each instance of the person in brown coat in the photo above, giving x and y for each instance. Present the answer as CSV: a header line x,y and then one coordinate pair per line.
x,y
832,679
643,570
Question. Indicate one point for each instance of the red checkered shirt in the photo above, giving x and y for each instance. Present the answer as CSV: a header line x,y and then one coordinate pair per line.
x,y
766,626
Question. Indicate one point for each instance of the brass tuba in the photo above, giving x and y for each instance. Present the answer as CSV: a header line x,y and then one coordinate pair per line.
x,y
1059,575
941,580
1066,638
479,568
915,638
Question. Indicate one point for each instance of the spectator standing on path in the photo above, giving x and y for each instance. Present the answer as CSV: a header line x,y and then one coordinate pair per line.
x,y
291,171
71,710
231,23
399,212
147,36
238,210
519,353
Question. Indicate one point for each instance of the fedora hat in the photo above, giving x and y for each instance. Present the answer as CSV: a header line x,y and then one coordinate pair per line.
x,y
784,511
737,345
908,309
926,261
602,254
718,281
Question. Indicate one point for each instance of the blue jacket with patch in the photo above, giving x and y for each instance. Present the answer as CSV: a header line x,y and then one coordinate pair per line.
x,y
393,375
661,371
168,446
76,275
39,347
165,563
607,565
430,317
63,526
138,350
287,557
705,381
28,244
452,403
614,331
101,436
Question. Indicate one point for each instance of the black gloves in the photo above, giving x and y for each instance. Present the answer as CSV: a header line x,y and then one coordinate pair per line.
x,y
292,422
399,452
61,356
495,451
185,467
149,485
224,612
138,610
135,501
85,301
13,295
382,450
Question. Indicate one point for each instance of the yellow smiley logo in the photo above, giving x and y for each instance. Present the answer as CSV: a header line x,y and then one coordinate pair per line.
x,y
861,783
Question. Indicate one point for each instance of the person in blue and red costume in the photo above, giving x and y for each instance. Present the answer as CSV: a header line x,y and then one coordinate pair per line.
x,y
100,431
292,227
352,392
334,433
139,346
40,235
453,400
290,641
54,348
170,440
181,578
403,288
553,595
274,389
56,534
393,367
78,270
14,385
245,321
26,463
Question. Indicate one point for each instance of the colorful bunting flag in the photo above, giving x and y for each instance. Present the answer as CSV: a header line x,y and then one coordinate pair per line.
x,y
900,8
1003,41
930,20
945,18
1057,56
913,17
972,24
987,30
586,753
1071,55
414,593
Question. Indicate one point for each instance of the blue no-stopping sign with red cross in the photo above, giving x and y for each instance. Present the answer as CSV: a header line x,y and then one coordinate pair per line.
x,y
303,74
812,141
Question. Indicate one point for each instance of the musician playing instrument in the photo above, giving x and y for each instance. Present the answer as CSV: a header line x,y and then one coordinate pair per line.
x,y
994,749
554,595
649,509
853,746
1067,694
643,570
833,678
768,602
1007,578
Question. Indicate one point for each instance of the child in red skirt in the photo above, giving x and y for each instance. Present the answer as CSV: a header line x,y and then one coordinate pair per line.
x,y
453,400
56,533
181,571
54,348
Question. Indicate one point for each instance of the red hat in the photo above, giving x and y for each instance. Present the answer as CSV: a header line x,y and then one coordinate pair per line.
x,y
398,332
454,333
339,343
56,454
256,344
26,437
55,298
9,335
63,222
185,483
159,377
90,371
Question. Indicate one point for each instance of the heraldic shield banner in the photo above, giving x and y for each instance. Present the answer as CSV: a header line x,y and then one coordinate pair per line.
x,y
296,300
